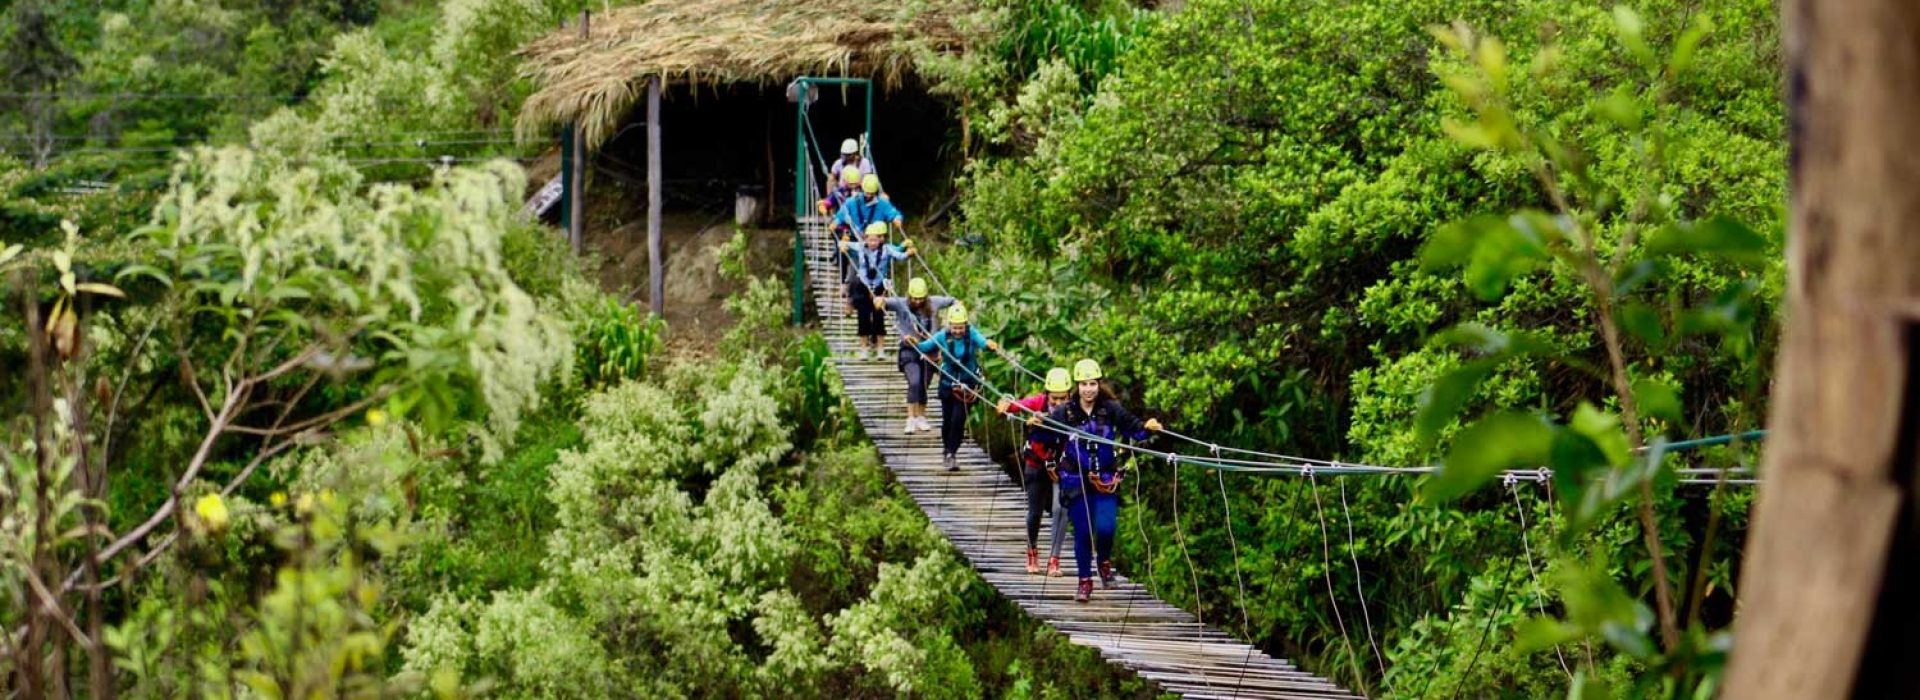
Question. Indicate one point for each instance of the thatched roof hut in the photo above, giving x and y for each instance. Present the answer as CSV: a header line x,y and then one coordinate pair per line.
x,y
597,79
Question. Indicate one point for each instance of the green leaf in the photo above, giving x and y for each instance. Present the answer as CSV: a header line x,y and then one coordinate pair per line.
x,y
1636,275
1716,236
147,271
1451,244
1628,640
1573,456
1496,442
1541,633
1632,31
1444,399
1585,688
1644,323
1658,400
10,252
1620,107
1604,430
1687,45
1501,252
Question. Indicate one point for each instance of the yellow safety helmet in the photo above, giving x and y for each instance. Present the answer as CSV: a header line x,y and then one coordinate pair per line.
x,y
916,288
850,174
957,315
877,228
1058,382
870,184
1086,370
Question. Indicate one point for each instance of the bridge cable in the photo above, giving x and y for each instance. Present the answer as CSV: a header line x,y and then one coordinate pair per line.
x,y
1246,624
1526,545
1326,571
1365,615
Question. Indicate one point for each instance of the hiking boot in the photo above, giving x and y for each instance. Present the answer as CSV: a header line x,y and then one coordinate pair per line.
x,y
1053,567
953,463
1033,561
1106,575
1085,593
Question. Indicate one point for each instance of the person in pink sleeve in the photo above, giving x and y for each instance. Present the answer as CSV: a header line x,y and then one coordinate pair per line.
x,y
1037,462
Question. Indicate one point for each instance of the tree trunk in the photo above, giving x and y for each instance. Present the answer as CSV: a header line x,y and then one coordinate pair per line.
x,y
1826,605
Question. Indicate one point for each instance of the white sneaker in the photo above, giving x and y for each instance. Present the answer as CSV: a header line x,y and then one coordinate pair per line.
x,y
910,426
925,427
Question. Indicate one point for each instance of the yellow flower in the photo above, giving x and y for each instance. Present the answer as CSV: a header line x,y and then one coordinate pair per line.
x,y
212,510
376,418
279,498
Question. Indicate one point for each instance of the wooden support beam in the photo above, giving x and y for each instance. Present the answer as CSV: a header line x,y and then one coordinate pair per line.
x,y
577,194
656,286
1827,600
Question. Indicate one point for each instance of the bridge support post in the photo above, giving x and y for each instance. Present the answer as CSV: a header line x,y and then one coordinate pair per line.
x,y
1828,605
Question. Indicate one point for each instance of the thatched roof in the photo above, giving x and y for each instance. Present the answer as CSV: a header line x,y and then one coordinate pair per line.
x,y
710,43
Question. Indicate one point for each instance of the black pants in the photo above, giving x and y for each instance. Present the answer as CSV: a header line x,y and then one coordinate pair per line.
x,y
953,420
872,321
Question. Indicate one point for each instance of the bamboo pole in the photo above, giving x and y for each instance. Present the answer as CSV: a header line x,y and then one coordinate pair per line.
x,y
1823,613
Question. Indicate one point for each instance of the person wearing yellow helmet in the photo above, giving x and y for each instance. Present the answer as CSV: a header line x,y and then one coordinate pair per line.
x,y
1090,468
872,267
1038,473
846,187
916,317
959,347
859,212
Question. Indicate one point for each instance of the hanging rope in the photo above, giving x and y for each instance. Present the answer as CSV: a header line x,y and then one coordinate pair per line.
x,y
1533,573
1246,625
1326,570
1365,615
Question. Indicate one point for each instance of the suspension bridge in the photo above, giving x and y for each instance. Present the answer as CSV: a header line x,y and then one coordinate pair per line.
x,y
983,513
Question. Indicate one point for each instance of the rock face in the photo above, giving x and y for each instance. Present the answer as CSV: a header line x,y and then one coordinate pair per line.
x,y
695,286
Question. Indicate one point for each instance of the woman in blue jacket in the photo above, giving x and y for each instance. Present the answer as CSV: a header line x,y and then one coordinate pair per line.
x,y
872,267
960,348
1090,470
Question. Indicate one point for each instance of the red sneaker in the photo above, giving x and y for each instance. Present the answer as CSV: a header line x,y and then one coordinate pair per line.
x,y
1106,575
1033,561
1086,591
1053,567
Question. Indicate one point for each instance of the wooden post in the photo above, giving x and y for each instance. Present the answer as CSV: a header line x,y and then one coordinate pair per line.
x,y
1827,605
577,199
656,287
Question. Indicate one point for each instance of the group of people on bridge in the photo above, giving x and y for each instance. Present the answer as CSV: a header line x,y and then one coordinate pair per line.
x,y
1068,461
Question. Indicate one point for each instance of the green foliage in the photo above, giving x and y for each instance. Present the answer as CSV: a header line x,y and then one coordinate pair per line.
x,y
616,342
1259,190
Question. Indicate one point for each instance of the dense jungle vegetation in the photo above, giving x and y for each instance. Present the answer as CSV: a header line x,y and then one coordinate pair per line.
x,y
340,423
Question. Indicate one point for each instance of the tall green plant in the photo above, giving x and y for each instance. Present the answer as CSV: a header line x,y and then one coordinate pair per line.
x,y
1615,239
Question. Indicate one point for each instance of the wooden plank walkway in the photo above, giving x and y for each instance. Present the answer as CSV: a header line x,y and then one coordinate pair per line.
x,y
983,513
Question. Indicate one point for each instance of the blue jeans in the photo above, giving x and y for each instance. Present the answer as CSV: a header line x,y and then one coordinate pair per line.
x,y
1094,516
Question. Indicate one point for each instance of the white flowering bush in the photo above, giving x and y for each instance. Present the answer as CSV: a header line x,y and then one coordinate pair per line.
x,y
671,554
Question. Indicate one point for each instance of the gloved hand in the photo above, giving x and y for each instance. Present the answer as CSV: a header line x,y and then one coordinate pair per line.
x,y
1034,420
879,302
993,346
1004,405
1153,425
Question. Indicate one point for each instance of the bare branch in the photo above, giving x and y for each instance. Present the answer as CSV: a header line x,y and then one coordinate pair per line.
x,y
51,605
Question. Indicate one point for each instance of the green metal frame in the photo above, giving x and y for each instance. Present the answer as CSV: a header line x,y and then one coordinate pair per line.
x,y
800,175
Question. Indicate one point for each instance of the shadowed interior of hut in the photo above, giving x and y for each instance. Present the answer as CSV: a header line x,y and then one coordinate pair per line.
x,y
717,144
